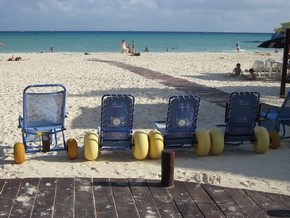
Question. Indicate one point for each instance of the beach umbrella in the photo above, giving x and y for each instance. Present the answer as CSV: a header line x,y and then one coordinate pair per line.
x,y
273,43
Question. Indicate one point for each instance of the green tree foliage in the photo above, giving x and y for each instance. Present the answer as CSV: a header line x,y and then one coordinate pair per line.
x,y
282,28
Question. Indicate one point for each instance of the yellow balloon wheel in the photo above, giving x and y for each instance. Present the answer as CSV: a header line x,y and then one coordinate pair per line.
x,y
262,142
203,142
140,145
91,146
156,144
274,139
217,141
19,152
72,149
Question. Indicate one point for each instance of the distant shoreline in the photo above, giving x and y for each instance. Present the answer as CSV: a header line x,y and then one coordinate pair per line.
x,y
115,31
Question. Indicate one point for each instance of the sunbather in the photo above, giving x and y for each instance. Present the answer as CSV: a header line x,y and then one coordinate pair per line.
x,y
14,58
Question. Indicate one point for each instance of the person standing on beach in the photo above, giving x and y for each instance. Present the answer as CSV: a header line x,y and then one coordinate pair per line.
x,y
133,48
238,47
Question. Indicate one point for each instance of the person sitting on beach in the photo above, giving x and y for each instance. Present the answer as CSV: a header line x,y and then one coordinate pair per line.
x,y
237,71
51,49
252,75
124,49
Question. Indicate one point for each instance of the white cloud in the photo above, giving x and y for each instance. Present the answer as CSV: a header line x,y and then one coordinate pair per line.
x,y
186,15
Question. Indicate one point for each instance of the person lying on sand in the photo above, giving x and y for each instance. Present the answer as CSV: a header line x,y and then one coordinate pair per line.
x,y
14,59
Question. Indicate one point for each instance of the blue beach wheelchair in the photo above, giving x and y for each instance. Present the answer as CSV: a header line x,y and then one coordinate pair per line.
x,y
179,129
241,117
42,123
116,129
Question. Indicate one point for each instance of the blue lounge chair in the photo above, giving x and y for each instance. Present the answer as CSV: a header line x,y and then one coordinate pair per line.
x,y
116,130
275,120
242,112
42,123
179,130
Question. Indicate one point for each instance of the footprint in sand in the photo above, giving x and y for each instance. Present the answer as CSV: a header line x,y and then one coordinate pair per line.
x,y
247,183
207,179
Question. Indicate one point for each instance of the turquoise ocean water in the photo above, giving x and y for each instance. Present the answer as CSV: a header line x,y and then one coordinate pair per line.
x,y
109,41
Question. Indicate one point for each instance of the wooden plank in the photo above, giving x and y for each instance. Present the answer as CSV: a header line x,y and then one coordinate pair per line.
x,y
162,199
224,201
104,201
206,205
2,183
184,202
284,203
44,201
282,200
263,200
245,203
25,199
64,198
124,201
143,199
8,194
84,203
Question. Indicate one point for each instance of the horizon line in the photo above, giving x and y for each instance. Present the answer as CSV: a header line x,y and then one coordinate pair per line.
x,y
134,31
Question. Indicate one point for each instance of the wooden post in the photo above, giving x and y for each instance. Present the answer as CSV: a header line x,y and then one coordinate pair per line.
x,y
45,142
285,64
167,168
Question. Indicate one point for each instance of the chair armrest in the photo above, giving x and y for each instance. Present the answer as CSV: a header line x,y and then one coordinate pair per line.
x,y
20,122
262,115
161,126
160,123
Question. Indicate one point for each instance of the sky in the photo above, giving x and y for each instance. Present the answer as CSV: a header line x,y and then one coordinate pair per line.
x,y
144,15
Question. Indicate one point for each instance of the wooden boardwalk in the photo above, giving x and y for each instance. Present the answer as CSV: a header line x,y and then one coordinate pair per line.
x,y
103,197
206,93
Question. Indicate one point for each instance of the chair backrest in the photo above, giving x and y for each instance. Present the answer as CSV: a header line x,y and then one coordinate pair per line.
x,y
44,105
258,65
241,115
284,112
182,118
117,118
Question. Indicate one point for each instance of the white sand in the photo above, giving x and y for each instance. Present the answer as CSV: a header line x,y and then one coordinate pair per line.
x,y
86,81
